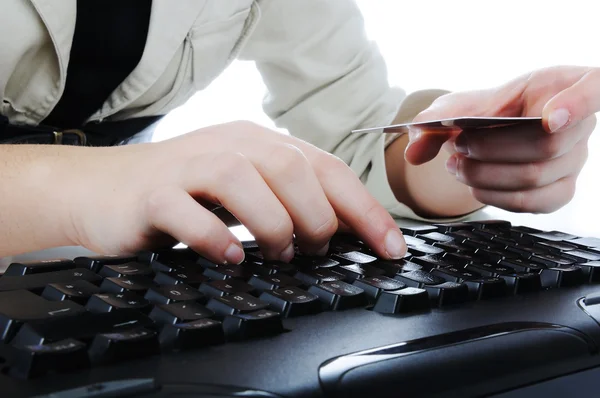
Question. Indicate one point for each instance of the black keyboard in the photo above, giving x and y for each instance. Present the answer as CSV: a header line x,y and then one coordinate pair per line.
x,y
65,315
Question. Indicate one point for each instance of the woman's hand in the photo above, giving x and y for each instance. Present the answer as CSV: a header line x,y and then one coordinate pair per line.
x,y
521,169
139,196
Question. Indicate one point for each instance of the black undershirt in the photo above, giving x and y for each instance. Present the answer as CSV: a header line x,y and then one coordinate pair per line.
x,y
109,40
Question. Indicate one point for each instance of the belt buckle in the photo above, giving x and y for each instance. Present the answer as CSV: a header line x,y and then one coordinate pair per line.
x,y
60,135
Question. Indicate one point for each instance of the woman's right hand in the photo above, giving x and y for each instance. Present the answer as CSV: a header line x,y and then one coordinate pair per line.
x,y
142,196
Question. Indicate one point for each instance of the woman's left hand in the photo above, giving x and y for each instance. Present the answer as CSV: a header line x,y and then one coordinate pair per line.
x,y
522,169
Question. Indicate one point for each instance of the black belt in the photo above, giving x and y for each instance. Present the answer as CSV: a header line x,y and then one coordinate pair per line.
x,y
92,134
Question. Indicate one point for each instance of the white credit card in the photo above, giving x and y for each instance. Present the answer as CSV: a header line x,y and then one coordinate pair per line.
x,y
459,123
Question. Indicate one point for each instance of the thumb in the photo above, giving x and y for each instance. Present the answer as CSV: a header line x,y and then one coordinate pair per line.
x,y
574,104
425,143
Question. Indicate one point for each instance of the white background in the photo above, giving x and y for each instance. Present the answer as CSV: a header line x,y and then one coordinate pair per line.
x,y
455,45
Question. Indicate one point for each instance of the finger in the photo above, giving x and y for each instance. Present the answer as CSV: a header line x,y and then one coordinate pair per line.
x,y
232,180
517,176
574,104
540,200
520,143
424,145
292,179
358,209
343,228
174,212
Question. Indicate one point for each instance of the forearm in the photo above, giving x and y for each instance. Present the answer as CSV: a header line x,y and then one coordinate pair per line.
x,y
33,197
429,190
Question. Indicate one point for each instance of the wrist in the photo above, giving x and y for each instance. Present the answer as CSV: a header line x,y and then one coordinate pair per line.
x,y
429,190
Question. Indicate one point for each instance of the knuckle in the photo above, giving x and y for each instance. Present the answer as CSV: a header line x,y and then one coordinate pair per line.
x,y
278,231
286,159
521,202
531,174
328,164
157,202
550,146
325,229
228,166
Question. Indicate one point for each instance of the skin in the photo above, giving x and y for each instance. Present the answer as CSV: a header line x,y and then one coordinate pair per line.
x,y
129,198
520,169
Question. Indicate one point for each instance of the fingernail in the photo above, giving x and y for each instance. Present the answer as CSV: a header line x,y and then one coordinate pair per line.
x,y
234,254
394,244
451,165
414,134
558,119
323,251
287,254
460,144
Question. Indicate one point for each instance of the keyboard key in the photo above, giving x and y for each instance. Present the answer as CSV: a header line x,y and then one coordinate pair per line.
x,y
489,270
292,301
495,224
168,294
35,360
447,293
411,241
553,260
425,250
392,268
523,265
584,255
192,335
339,295
228,271
82,326
486,287
353,272
562,276
279,267
554,235
495,255
452,247
168,255
133,284
241,303
94,263
431,262
262,323
461,259
591,271
222,288
37,282
36,267
586,242
522,282
375,285
108,302
453,274
557,247
109,348
419,279
171,265
401,301
354,257
434,237
20,306
127,269
318,276
78,291
193,279
418,230
272,282
181,312
453,226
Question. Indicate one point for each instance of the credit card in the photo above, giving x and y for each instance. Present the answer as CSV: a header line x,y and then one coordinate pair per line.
x,y
459,123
